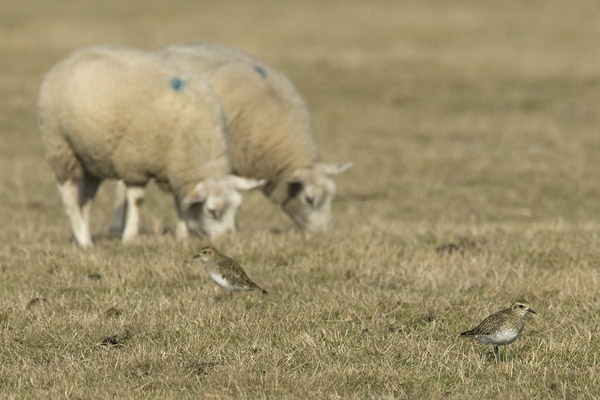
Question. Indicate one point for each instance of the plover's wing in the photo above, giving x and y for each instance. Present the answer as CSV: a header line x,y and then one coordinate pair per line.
x,y
488,326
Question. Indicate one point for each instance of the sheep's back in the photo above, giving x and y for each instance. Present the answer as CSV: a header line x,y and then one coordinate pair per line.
x,y
269,130
127,114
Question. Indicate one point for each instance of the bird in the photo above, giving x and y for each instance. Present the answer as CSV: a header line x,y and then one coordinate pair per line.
x,y
226,272
502,327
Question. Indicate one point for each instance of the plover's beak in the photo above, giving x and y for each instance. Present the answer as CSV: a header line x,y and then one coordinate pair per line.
x,y
531,311
196,256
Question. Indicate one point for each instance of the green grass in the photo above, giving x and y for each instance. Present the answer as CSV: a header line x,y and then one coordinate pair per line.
x,y
471,125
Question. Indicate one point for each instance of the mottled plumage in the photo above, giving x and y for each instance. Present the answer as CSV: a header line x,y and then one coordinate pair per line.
x,y
501,328
226,272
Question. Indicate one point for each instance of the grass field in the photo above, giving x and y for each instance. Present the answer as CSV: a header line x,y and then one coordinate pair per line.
x,y
472,126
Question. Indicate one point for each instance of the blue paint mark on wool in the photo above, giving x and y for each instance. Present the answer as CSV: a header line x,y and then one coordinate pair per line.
x,y
261,71
177,84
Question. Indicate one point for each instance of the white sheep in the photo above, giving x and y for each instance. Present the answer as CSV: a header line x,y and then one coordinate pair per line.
x,y
269,132
116,113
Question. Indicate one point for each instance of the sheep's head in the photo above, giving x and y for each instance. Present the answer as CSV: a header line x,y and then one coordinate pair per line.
x,y
309,195
212,205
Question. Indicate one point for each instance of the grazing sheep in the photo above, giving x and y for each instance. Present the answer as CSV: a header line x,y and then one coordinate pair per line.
x,y
117,113
269,132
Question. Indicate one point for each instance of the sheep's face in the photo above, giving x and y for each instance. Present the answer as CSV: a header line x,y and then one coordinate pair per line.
x,y
309,196
213,203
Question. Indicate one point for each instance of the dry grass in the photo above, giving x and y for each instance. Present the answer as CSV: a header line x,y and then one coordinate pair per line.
x,y
473,127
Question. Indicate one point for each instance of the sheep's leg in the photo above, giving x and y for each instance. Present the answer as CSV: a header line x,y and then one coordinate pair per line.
x,y
119,211
70,192
88,187
181,230
135,196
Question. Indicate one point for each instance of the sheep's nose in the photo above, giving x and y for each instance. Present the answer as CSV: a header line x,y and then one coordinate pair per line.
x,y
216,214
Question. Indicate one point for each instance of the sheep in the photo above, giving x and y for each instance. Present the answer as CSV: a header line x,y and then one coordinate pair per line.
x,y
108,112
269,132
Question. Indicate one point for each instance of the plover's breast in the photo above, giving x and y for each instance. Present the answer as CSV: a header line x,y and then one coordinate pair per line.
x,y
218,278
503,337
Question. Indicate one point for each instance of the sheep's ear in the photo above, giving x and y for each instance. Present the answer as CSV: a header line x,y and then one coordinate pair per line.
x,y
294,187
334,169
241,183
196,195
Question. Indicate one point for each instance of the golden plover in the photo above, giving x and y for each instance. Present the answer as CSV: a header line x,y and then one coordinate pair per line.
x,y
501,328
226,272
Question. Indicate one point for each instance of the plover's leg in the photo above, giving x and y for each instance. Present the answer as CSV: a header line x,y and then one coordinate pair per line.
x,y
496,354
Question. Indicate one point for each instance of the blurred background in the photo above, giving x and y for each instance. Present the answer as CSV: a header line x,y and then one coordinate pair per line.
x,y
450,110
